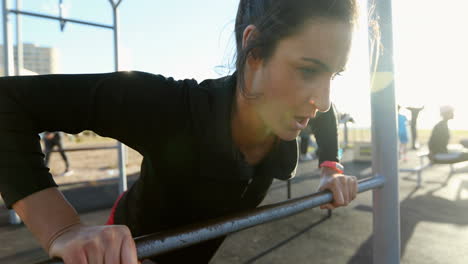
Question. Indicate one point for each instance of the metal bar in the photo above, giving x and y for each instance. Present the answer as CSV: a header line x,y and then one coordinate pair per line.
x,y
62,23
346,137
8,46
19,42
85,149
421,163
114,4
155,244
76,21
120,147
289,189
152,245
8,70
386,213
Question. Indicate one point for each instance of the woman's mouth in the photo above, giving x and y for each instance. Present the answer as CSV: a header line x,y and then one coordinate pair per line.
x,y
301,122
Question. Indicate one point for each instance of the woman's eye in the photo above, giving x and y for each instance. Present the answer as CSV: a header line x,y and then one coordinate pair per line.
x,y
307,73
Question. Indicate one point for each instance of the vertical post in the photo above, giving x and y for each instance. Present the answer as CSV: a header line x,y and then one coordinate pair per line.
x,y
386,217
120,146
8,70
19,42
345,128
7,45
421,168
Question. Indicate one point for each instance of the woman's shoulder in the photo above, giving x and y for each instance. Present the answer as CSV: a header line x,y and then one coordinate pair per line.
x,y
214,94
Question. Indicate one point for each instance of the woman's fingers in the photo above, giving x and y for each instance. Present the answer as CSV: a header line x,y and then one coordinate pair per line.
x,y
344,190
96,245
353,187
75,257
128,251
327,206
113,244
338,194
94,252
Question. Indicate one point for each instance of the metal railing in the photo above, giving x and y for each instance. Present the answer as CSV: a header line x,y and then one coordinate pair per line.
x,y
8,61
86,148
163,242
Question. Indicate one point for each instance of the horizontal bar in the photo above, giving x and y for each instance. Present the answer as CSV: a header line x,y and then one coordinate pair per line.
x,y
410,170
155,244
87,148
416,169
18,12
151,245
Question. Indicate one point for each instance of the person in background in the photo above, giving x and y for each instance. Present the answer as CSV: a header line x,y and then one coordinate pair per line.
x,y
464,142
305,142
51,140
345,118
440,137
402,134
324,127
413,124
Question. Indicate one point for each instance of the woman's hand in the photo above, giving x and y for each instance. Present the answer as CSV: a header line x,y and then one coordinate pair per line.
x,y
343,187
80,244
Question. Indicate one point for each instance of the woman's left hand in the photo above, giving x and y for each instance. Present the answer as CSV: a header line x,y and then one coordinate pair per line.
x,y
343,187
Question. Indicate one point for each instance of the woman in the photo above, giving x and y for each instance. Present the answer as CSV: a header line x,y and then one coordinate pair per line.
x,y
209,149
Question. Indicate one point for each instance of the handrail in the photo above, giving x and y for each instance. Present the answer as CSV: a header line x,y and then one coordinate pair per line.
x,y
155,244
86,148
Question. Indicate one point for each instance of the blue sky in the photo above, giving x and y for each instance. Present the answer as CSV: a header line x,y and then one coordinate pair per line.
x,y
156,36
194,39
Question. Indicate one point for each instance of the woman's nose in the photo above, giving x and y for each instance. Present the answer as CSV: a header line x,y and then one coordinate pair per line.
x,y
321,98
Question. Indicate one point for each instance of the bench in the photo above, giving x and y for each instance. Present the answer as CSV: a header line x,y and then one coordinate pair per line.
x,y
423,156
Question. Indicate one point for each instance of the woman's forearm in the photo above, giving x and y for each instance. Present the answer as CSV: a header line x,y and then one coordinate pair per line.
x,y
46,214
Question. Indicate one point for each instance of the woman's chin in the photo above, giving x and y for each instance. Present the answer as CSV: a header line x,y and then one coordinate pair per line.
x,y
288,135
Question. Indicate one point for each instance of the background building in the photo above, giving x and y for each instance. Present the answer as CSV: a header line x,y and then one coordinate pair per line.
x,y
41,60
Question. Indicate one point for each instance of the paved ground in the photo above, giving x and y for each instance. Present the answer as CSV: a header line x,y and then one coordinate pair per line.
x,y
434,223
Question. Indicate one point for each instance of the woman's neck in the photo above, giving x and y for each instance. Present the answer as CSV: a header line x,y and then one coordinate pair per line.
x,y
249,132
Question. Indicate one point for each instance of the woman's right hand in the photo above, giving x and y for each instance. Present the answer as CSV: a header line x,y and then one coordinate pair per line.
x,y
81,244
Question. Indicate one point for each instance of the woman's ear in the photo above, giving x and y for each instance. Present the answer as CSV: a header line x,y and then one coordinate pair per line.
x,y
249,34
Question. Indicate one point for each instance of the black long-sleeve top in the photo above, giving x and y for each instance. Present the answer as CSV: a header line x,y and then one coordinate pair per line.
x,y
191,169
439,139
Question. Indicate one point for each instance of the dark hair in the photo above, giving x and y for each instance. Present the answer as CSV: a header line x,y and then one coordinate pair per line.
x,y
277,19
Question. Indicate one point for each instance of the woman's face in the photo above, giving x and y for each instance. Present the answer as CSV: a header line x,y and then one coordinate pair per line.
x,y
295,81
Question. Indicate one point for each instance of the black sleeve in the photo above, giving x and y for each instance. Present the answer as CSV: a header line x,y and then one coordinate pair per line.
x,y
439,139
325,129
132,107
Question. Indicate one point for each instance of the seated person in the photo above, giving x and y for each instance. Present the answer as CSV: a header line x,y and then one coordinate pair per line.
x,y
440,136
464,142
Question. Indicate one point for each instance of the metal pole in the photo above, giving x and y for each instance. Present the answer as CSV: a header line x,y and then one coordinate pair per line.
x,y
8,69
7,45
386,217
345,128
120,146
162,242
19,42
76,21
